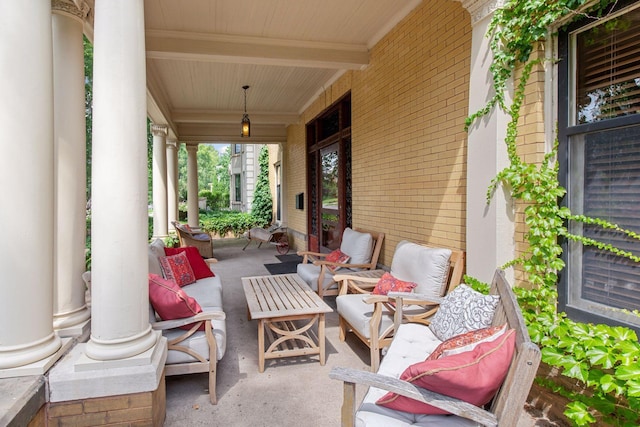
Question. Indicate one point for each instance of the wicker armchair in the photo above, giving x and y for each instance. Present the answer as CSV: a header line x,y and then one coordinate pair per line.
x,y
190,236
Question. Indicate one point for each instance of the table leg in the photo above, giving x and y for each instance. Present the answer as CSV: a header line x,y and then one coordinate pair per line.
x,y
261,326
321,337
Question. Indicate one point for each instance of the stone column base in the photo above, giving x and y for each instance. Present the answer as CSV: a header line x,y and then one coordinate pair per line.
x,y
40,367
77,377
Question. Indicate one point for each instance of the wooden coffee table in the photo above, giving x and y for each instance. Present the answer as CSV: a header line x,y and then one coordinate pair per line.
x,y
286,309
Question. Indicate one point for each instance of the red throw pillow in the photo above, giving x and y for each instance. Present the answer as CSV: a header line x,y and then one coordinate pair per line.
x,y
198,265
467,341
171,302
473,376
177,268
336,256
388,283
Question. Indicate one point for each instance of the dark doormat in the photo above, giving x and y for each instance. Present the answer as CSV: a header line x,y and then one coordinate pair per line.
x,y
282,267
290,258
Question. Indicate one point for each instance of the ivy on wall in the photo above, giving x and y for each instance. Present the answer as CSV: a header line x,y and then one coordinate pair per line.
x,y
604,359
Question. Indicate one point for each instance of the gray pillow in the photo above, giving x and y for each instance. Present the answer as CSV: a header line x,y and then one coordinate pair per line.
x,y
359,246
461,311
427,267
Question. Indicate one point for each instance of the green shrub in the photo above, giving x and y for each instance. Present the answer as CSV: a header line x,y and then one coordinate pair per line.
x,y
237,223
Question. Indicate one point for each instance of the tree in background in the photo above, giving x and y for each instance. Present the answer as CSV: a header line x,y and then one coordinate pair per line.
x,y
213,175
262,207
88,105
220,188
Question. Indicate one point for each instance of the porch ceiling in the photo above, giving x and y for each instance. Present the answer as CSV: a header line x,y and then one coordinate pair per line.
x,y
201,52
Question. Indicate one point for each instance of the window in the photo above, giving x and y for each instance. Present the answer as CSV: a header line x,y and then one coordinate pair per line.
x,y
237,149
238,187
599,131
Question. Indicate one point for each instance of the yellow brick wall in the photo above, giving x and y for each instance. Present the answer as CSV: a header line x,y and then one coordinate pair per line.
x,y
408,143
531,147
138,409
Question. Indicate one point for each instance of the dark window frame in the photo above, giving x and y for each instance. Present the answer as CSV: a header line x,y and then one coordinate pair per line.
x,y
565,132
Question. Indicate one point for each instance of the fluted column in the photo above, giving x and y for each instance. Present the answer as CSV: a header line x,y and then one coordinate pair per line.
x,y
172,183
192,186
26,179
160,226
70,312
119,283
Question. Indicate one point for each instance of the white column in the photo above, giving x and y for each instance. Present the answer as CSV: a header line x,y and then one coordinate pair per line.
x,y
123,356
490,228
160,226
193,213
70,312
172,182
119,283
26,179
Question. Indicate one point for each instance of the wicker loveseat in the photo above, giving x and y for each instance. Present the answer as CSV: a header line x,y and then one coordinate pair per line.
x,y
191,236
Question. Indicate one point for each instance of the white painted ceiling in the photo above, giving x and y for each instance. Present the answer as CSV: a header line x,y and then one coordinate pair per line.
x,y
201,52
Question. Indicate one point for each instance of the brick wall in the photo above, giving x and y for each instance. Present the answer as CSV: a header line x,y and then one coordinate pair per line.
x,y
531,145
408,143
138,409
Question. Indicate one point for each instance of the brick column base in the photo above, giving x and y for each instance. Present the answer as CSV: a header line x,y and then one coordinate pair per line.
x,y
138,409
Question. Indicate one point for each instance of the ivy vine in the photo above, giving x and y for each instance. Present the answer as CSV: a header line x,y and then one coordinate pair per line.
x,y
604,359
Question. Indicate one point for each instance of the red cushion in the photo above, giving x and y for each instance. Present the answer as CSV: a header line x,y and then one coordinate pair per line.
x,y
336,256
473,376
198,265
467,341
177,268
169,301
388,283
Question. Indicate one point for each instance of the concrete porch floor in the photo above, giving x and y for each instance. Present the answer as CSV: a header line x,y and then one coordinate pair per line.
x,y
290,392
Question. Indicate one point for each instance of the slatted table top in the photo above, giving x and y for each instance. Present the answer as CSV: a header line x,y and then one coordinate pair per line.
x,y
281,295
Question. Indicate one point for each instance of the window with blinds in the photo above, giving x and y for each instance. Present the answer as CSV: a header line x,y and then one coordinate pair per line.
x,y
599,131
608,69
611,191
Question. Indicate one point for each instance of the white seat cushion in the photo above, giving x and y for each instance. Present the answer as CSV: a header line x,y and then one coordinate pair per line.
x,y
358,314
207,291
411,344
426,267
197,342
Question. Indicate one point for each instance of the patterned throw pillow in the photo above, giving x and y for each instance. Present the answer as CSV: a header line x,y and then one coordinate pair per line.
x,y
198,265
473,376
461,311
177,269
388,283
467,341
336,256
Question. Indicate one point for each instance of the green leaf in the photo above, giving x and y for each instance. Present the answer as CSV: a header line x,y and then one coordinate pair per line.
x,y
633,388
579,414
553,356
575,369
608,384
601,356
629,372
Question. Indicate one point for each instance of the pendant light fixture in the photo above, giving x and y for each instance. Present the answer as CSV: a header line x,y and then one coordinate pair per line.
x,y
246,123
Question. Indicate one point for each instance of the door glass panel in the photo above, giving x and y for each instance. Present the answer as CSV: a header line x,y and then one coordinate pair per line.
x,y
330,214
